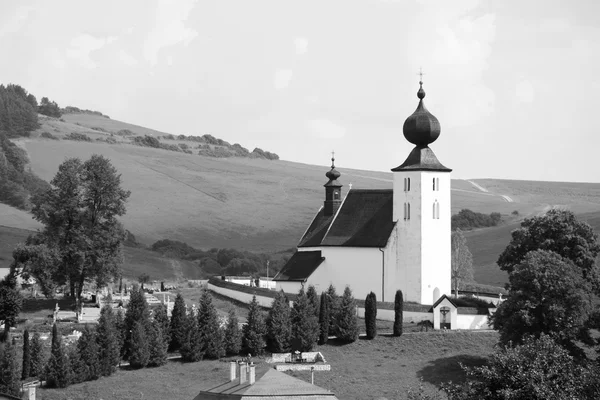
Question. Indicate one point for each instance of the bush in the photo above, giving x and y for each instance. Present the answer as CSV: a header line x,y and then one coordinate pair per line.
x,y
346,326
79,137
147,141
255,330
48,135
324,318
233,336
217,152
465,301
398,313
467,220
125,132
279,325
371,315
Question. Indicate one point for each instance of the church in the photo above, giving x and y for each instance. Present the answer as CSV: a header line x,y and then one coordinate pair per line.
x,y
382,240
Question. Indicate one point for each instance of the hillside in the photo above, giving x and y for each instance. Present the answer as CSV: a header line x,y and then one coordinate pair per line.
x,y
262,205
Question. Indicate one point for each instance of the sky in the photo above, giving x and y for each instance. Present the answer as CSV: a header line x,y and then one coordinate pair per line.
x,y
514,83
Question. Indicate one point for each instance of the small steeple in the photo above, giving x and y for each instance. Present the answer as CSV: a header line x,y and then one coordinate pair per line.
x,y
421,128
333,189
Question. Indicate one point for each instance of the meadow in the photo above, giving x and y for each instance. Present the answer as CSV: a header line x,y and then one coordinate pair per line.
x,y
261,205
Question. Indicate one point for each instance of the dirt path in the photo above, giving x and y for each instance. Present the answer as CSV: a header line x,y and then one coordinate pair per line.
x,y
484,190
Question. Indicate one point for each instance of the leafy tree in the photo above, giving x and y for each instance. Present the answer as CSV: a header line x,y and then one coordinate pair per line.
x,y
538,369
191,341
324,318
9,370
108,342
162,318
79,217
346,325
41,262
143,278
547,295
255,330
10,302
25,370
558,231
334,307
49,108
398,313
210,330
461,262
88,349
279,325
139,351
157,345
37,356
371,315
137,312
305,325
233,335
57,369
178,322
313,299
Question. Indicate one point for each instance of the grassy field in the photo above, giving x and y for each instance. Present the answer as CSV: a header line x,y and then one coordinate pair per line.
x,y
384,367
261,205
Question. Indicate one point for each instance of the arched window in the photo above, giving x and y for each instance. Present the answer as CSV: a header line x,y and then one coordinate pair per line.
x,y
408,211
434,184
437,184
436,210
336,195
433,214
405,211
405,184
408,186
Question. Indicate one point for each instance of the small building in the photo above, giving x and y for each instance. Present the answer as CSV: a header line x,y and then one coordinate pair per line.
x,y
245,384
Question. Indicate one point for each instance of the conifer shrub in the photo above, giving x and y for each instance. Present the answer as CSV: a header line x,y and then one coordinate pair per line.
x,y
139,351
88,350
157,345
9,370
324,318
57,369
210,330
161,316
279,325
37,356
77,369
346,322
137,312
191,341
371,315
120,326
305,324
398,313
313,299
334,306
233,335
255,330
108,342
26,368
178,322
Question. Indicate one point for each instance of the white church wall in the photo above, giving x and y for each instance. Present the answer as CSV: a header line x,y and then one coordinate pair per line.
x,y
468,321
407,316
288,286
264,301
358,267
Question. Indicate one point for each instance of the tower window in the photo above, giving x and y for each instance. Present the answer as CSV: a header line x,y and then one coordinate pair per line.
x,y
434,184
436,210
336,195
406,211
407,184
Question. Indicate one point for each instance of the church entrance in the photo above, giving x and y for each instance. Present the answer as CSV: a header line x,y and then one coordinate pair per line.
x,y
445,318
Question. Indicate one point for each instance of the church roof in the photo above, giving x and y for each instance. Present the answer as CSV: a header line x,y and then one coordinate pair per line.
x,y
422,159
300,266
363,220
272,384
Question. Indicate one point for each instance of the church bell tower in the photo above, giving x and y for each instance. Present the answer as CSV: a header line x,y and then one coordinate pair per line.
x,y
422,212
333,190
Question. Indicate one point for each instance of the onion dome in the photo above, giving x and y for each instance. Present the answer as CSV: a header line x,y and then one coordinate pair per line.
x,y
333,174
421,128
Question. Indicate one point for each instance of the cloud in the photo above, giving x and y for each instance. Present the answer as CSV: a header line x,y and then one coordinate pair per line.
x,y
170,28
83,45
301,45
127,58
326,129
15,21
525,92
282,78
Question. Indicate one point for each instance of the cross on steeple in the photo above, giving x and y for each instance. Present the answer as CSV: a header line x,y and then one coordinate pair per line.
x,y
421,74
332,159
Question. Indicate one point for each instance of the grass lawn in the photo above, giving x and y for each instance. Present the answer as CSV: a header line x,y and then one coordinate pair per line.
x,y
384,367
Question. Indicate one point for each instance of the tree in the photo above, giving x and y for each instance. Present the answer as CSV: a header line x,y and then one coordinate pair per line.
x,y
461,262
49,108
143,278
255,330
191,341
313,299
305,325
371,315
137,312
37,356
547,295
10,303
120,327
26,369
41,262
233,335
558,231
88,350
210,330
279,325
9,370
108,342
398,313
57,369
178,321
538,369
346,322
139,351
77,369
334,307
79,213
157,345
162,318
325,306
